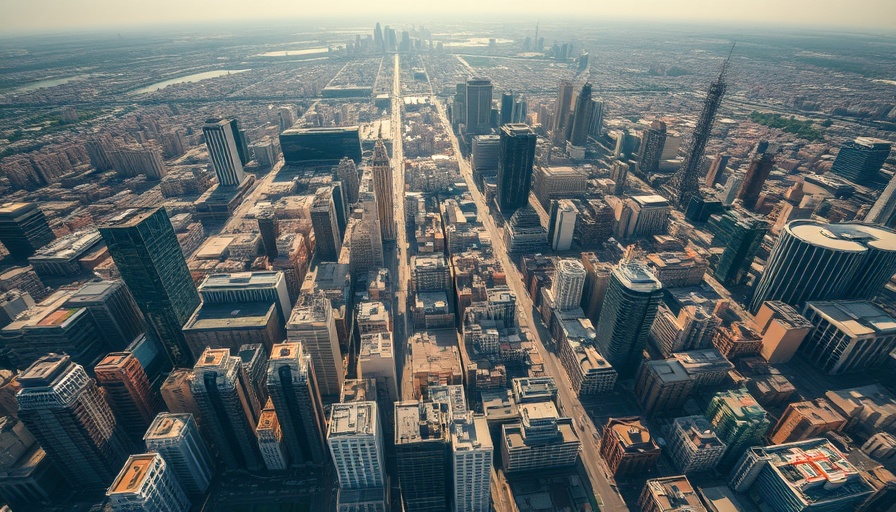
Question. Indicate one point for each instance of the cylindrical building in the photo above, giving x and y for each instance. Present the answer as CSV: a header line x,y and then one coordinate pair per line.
x,y
817,261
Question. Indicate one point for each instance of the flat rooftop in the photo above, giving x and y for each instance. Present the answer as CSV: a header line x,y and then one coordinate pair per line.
x,y
242,280
353,419
846,236
652,201
674,493
213,357
669,371
14,208
288,350
417,422
114,360
167,426
70,246
637,277
856,318
134,474
129,218
244,315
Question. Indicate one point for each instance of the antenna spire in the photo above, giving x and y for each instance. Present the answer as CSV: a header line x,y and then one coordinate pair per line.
x,y
725,64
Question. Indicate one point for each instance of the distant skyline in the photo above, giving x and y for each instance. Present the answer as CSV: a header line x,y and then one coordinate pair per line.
x,y
50,16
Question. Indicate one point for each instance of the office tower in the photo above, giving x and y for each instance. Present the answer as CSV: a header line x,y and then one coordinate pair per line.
x,y
128,392
134,159
597,279
347,172
562,111
648,216
557,182
430,273
355,438
562,224
268,287
524,233
365,237
520,110
69,255
860,160
12,303
541,440
580,123
146,251
114,311
254,358
224,151
378,41
421,446
478,104
739,422
302,146
506,107
597,119
717,169
328,237
147,483
23,279
804,420
671,493
471,460
802,476
376,360
293,389
783,331
229,416
515,165
732,187
761,163
678,269
685,182
694,445
485,156
64,410
176,438
627,446
662,385
314,326
569,282
97,147
816,261
28,479
741,235
619,175
652,147
269,227
849,336
633,296
177,393
270,440
23,229
382,182
883,211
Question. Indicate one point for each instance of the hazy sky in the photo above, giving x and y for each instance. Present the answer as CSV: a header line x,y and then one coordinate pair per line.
x,y
58,15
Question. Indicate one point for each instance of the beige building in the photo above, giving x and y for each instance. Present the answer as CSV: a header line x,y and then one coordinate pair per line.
x,y
782,328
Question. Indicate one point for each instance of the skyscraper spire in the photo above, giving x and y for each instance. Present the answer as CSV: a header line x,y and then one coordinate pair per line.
x,y
684,184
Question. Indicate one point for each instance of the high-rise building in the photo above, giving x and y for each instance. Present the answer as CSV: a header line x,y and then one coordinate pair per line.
x,y
347,172
562,111
485,156
671,493
303,146
241,287
562,225
741,234
804,420
694,445
848,336
478,106
64,410
270,440
254,358
128,392
860,160
739,421
114,311
269,227
883,211
517,158
28,479
376,360
783,331
178,395
693,328
23,229
596,129
814,261
224,151
662,385
802,476
313,325
147,483
421,445
220,388
471,461
633,296
541,440
24,279
580,123
176,438
328,236
627,446
619,175
146,251
652,147
293,390
524,233
717,169
506,107
685,183
382,181
355,438
597,278
569,281
761,163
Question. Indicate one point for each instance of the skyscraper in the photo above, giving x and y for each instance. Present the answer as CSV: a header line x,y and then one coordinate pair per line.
x,y
816,261
178,395
517,157
313,325
327,234
220,388
849,336
146,251
471,455
662,385
223,141
147,483
382,182
568,284
110,303
633,296
694,444
562,111
562,224
355,438
128,392
176,438
269,227
421,445
685,182
63,409
270,440
716,169
860,160
761,162
597,119
739,421
23,229
506,107
347,172
884,210
478,105
741,234
580,124
652,147
293,389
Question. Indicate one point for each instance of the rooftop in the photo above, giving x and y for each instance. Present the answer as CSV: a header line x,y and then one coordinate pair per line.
x,y
352,419
856,318
358,390
632,434
14,208
703,360
243,315
213,357
130,217
674,493
114,360
134,473
652,201
44,371
70,246
846,236
416,422
637,277
167,425
669,370
256,279
286,351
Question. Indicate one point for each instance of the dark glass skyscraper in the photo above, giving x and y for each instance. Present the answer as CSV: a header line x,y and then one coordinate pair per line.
x,y
326,225
652,147
860,160
479,106
145,249
23,229
562,111
506,108
580,123
516,158
761,163
741,234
